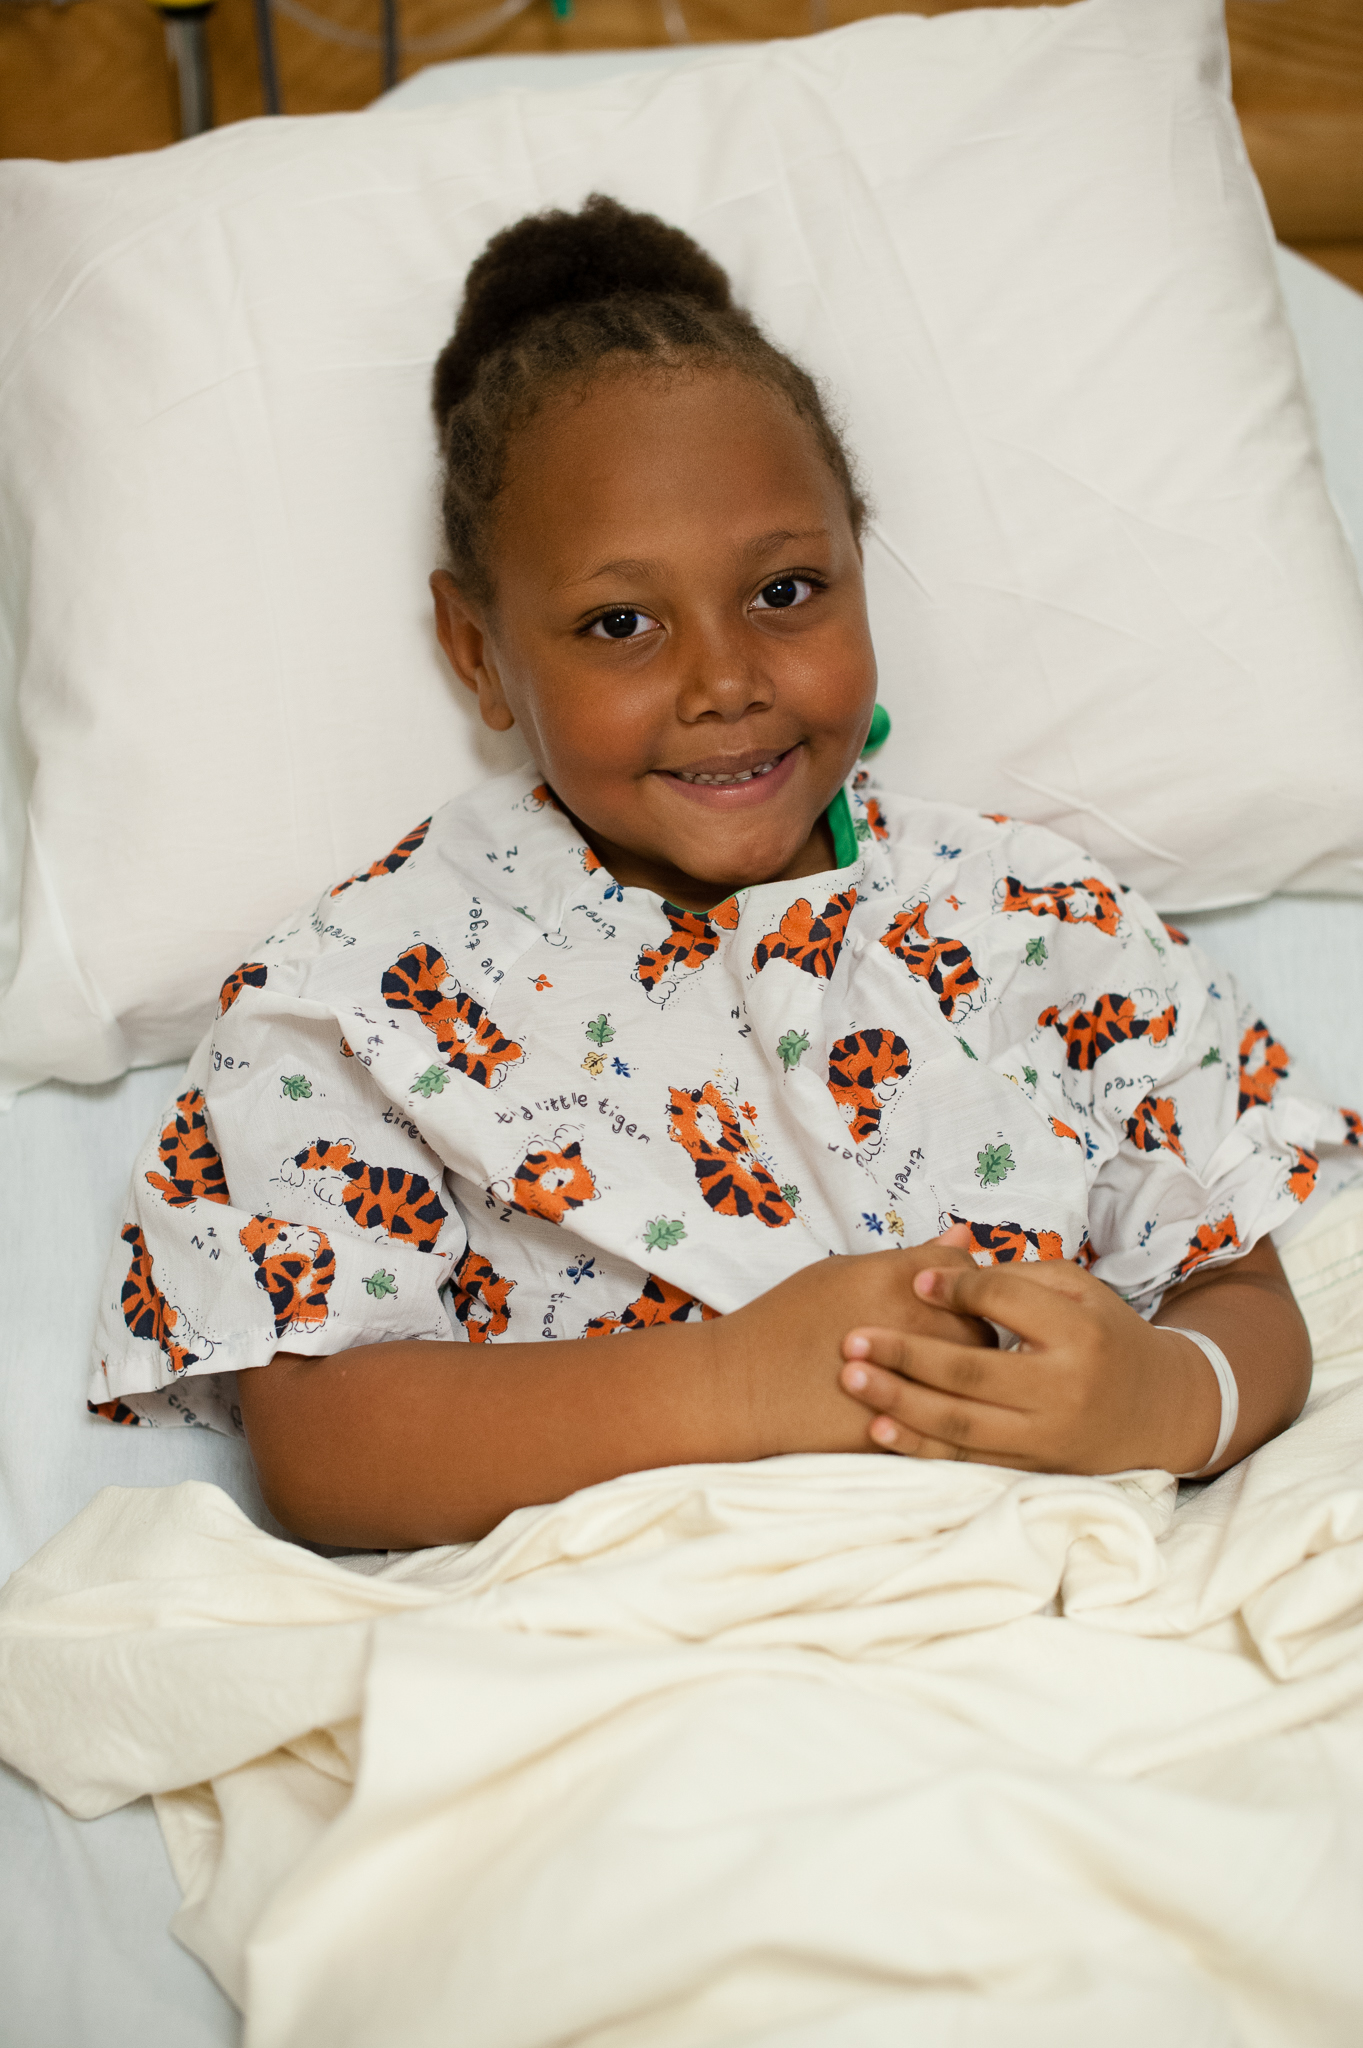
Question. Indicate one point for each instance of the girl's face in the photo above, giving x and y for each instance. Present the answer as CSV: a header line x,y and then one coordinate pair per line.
x,y
679,629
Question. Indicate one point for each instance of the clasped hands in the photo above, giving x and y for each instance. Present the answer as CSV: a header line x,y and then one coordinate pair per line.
x,y
1092,1387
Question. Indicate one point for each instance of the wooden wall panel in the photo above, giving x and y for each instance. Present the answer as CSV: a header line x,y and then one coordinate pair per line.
x,y
91,78
1299,89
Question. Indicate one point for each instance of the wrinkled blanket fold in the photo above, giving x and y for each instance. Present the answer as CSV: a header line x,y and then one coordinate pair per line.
x,y
819,1751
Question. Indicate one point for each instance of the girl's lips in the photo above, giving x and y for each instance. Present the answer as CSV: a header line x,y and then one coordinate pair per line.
x,y
732,796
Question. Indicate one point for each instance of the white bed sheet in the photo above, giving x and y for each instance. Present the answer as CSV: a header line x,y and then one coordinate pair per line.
x,y
84,1956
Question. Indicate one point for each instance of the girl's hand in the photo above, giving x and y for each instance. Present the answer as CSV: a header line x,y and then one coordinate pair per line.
x,y
778,1357
1094,1388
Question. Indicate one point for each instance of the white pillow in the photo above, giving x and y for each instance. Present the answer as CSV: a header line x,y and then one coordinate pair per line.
x,y
1025,250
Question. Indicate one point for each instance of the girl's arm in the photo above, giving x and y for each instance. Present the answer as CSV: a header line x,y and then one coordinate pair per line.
x,y
1096,1389
398,1445
1248,1309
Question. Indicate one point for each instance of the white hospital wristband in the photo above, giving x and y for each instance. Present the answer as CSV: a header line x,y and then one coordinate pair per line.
x,y
1230,1394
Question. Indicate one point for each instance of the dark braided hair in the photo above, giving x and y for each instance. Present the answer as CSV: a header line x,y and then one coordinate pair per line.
x,y
545,304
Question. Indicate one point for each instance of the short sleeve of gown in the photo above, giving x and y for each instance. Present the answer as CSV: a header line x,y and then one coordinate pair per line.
x,y
1199,1138
283,1203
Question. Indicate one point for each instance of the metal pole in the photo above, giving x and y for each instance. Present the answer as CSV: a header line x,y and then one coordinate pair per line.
x,y
265,56
187,42
390,43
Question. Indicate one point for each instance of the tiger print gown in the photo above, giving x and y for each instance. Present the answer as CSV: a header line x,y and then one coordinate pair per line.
x,y
482,1092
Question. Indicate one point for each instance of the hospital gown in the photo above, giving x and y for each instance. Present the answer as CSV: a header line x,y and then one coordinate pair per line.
x,y
483,1092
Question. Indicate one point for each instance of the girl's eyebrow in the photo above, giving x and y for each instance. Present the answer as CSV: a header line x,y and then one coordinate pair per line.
x,y
764,544
626,566
783,536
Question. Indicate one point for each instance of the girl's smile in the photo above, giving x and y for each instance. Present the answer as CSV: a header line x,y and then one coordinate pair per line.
x,y
724,783
687,652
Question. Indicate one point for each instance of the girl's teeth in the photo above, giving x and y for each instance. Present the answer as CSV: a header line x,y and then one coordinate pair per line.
x,y
717,780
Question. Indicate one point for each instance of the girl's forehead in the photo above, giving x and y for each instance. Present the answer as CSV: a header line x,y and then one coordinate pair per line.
x,y
640,443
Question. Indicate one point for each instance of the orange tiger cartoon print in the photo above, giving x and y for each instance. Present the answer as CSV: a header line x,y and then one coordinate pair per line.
x,y
863,1072
1207,1240
377,1197
193,1170
1263,1063
1112,1021
1154,1126
944,964
421,982
806,941
115,1411
251,974
1064,1131
875,818
659,1303
1088,901
295,1266
147,1312
1353,1126
479,1298
1009,1244
1302,1178
733,1182
390,862
693,938
552,1181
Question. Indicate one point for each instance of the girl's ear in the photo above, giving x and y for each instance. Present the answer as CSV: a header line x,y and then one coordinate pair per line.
x,y
468,649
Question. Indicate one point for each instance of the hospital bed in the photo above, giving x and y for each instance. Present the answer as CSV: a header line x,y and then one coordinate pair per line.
x,y
84,1955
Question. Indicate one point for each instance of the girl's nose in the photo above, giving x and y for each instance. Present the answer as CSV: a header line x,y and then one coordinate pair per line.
x,y
722,678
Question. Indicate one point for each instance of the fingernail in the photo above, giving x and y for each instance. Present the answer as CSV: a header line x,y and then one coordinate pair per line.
x,y
856,1347
854,1379
883,1430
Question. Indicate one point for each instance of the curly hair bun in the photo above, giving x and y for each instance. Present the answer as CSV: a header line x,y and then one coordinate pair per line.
x,y
555,259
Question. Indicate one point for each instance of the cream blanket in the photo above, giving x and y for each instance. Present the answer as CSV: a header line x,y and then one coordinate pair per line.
x,y
820,1753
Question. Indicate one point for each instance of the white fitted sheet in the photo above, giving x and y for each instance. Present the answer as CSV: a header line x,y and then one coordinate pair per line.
x,y
84,1956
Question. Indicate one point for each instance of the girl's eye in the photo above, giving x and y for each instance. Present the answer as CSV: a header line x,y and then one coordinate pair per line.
x,y
622,622
784,592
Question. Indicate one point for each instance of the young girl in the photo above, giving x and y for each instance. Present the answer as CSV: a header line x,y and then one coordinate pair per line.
x,y
521,1161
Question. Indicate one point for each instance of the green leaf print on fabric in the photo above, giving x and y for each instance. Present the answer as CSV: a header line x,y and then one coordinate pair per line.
x,y
1210,1056
1029,1076
792,1194
663,1233
994,1164
792,1048
1035,955
380,1283
430,1083
601,1031
296,1086
966,1049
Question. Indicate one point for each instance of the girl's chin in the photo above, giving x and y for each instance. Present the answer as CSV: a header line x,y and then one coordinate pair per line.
x,y
750,867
